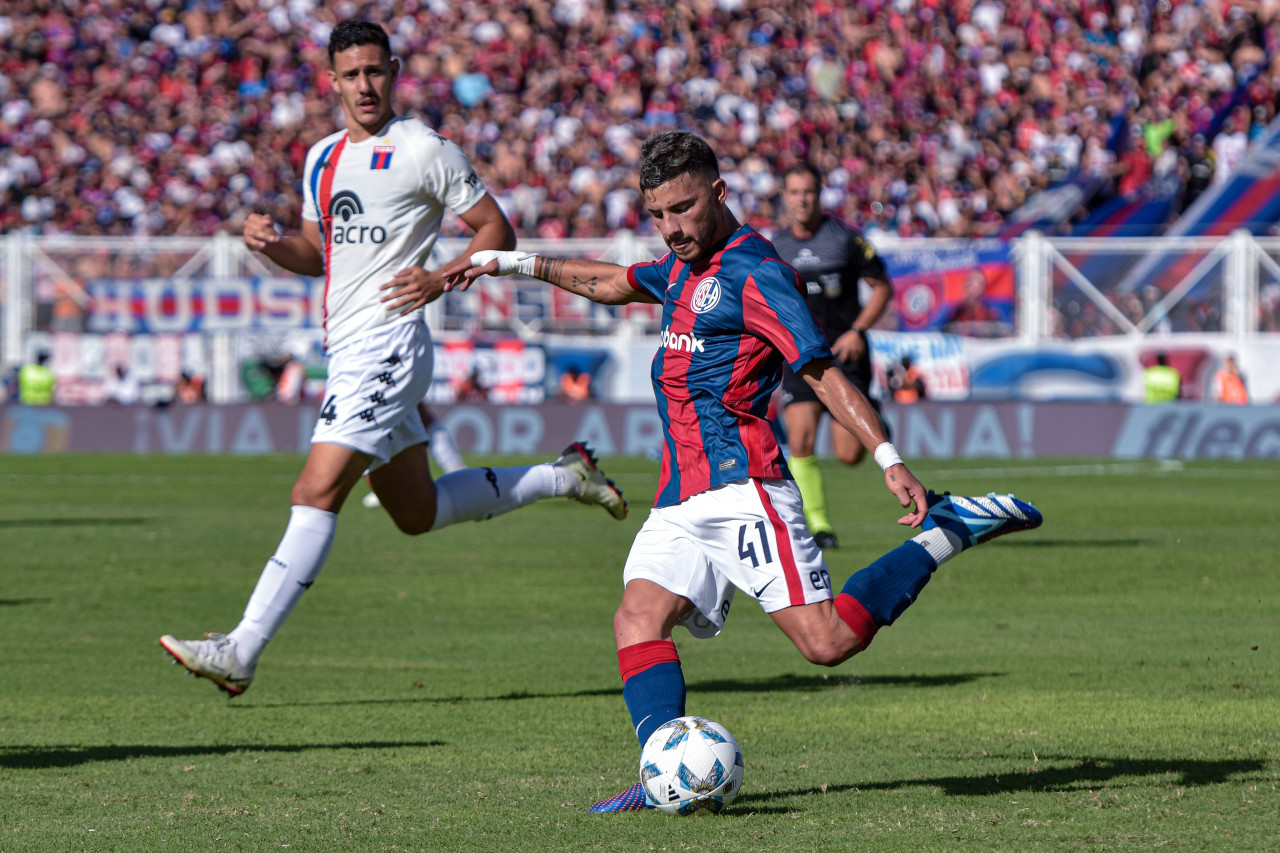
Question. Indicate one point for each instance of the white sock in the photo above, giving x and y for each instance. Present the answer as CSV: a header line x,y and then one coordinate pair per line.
x,y
296,564
941,544
445,451
477,494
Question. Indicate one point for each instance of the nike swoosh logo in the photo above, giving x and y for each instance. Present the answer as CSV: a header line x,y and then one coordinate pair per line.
x,y
759,592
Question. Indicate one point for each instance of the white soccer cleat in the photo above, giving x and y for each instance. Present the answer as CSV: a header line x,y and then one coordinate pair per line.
x,y
370,501
593,486
980,519
213,658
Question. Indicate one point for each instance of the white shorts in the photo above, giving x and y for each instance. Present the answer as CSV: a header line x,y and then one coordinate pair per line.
x,y
748,534
372,393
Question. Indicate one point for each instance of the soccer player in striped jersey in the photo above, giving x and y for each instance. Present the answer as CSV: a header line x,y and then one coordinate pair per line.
x,y
373,200
727,513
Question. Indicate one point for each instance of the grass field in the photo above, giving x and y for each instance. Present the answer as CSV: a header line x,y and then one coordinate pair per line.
x,y
1108,682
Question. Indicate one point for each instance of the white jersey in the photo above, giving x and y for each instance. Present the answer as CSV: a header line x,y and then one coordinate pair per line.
x,y
379,204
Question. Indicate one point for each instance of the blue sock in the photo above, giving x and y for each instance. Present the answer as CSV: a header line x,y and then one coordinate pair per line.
x,y
890,584
652,685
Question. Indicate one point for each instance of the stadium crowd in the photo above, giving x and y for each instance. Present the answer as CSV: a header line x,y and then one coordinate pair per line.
x,y
930,117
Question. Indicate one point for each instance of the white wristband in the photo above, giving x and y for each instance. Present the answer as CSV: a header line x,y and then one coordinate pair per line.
x,y
886,456
508,262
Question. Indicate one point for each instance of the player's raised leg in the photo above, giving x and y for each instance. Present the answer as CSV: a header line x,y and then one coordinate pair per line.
x,y
877,595
476,494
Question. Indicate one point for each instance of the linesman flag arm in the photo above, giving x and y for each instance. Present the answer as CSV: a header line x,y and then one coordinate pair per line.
x,y
854,412
595,280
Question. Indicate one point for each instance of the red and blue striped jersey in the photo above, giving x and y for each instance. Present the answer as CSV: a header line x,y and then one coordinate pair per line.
x,y
728,324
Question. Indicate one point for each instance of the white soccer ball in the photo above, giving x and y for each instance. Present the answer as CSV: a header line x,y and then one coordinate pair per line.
x,y
691,763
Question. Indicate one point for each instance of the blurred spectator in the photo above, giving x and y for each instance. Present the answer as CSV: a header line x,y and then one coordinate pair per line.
x,y
1229,385
190,388
122,387
1197,170
1229,147
575,386
1163,384
471,388
36,382
291,385
906,382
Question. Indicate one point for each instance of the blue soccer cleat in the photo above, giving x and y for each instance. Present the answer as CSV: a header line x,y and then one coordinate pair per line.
x,y
631,800
980,519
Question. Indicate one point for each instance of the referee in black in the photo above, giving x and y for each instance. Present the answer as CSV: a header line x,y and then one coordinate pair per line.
x,y
831,257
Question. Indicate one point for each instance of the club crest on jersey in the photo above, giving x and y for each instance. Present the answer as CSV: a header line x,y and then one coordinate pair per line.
x,y
706,295
382,156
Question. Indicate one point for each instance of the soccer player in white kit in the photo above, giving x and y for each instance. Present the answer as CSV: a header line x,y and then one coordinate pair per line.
x,y
373,200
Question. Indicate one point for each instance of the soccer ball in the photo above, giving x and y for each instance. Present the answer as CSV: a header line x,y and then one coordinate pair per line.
x,y
691,763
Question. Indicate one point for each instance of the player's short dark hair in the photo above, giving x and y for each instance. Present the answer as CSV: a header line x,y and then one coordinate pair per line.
x,y
669,155
803,167
350,34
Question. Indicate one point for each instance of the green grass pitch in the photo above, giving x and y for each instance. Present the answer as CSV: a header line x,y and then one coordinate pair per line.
x,y
1108,682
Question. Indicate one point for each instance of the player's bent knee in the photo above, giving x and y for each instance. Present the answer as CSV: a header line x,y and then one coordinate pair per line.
x,y
411,523
830,652
630,620
851,458
412,526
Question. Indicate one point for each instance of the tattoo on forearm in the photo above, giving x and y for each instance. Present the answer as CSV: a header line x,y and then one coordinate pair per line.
x,y
552,270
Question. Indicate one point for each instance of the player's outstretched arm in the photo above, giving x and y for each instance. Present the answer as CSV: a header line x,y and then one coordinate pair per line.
x,y
854,412
413,287
596,280
299,253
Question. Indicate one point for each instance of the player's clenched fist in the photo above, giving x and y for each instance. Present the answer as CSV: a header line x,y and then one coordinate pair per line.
x,y
260,231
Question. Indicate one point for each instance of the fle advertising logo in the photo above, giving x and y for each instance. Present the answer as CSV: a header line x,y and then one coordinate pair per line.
x,y
1199,432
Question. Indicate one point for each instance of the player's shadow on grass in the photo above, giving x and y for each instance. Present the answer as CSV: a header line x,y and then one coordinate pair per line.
x,y
14,602
1081,775
1037,542
69,522
827,682
45,757
748,685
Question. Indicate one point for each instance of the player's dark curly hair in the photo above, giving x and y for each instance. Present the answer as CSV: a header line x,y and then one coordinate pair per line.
x,y
677,152
350,34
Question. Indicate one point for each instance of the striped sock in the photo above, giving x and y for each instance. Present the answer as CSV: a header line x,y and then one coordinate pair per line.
x,y
877,595
652,685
